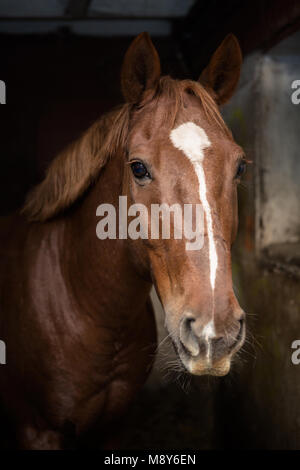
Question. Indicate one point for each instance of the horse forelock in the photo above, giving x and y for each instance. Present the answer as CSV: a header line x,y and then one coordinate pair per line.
x,y
173,92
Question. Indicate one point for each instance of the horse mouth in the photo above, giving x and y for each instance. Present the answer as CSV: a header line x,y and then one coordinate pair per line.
x,y
203,365
219,369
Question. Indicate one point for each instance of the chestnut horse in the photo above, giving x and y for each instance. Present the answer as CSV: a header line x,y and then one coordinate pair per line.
x,y
76,316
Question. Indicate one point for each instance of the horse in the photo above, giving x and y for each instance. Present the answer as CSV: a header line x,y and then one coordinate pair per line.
x,y
76,316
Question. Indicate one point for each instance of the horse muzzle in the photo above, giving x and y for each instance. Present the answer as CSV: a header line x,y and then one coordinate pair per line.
x,y
203,351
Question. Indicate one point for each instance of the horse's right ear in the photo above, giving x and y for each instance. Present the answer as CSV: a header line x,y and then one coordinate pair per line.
x,y
140,70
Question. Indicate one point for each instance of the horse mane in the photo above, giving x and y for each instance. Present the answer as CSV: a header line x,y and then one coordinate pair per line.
x,y
75,168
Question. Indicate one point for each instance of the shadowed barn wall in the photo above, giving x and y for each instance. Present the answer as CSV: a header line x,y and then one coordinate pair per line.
x,y
266,123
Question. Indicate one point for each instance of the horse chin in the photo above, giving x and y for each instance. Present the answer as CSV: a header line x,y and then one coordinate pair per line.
x,y
201,366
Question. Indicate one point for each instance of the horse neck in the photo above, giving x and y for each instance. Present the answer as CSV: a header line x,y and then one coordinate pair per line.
x,y
103,273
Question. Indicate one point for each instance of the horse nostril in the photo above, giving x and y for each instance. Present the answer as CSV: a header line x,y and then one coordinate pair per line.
x,y
242,317
208,343
240,332
242,321
188,339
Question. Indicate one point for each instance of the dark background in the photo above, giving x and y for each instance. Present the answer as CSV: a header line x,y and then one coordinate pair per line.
x,y
58,83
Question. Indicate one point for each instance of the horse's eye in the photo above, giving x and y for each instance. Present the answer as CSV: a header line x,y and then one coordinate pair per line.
x,y
241,169
139,170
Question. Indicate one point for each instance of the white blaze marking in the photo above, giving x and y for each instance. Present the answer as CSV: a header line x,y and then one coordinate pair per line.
x,y
192,140
209,330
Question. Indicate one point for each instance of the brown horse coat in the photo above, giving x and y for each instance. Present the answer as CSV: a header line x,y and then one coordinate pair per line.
x,y
75,311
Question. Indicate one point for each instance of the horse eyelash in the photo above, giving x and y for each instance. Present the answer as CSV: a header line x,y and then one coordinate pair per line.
x,y
135,160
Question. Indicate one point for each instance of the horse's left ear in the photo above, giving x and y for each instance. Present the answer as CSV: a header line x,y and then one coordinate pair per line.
x,y
222,74
140,70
